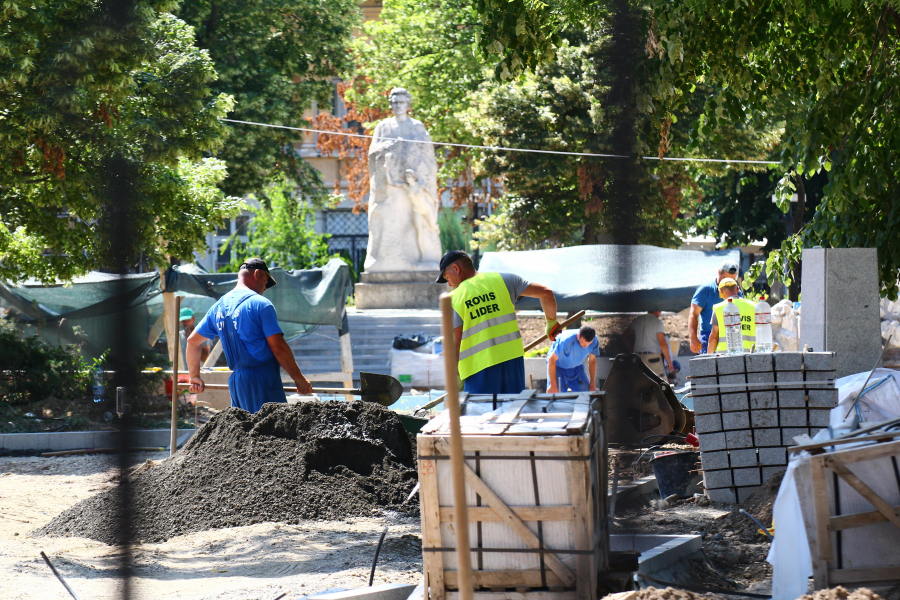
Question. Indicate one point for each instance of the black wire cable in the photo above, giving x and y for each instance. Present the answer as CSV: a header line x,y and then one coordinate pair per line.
x,y
764,529
697,588
377,552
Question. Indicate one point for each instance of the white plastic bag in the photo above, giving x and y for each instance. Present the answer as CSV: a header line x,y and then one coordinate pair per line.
x,y
417,369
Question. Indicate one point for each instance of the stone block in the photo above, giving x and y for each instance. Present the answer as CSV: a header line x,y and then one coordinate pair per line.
x,y
711,441
772,456
724,495
745,477
789,433
764,418
760,378
759,362
717,479
714,460
766,399
766,437
818,361
770,472
739,401
744,458
791,398
735,379
819,418
743,493
697,384
820,375
398,295
738,439
708,423
826,398
790,376
703,366
793,417
730,364
705,405
840,304
788,361
735,420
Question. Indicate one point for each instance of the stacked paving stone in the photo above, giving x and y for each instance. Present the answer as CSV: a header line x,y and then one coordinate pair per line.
x,y
749,407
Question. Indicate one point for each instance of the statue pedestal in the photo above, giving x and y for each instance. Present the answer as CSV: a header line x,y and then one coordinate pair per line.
x,y
399,289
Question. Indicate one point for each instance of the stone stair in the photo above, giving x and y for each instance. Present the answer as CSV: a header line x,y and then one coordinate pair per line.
x,y
371,335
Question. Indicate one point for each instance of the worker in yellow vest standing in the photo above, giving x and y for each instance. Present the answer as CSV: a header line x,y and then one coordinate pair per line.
x,y
488,342
728,288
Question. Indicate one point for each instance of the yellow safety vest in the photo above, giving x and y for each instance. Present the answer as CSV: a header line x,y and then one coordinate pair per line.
x,y
490,333
748,323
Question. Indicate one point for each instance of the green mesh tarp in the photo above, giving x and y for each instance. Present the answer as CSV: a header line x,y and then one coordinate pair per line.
x,y
83,312
611,278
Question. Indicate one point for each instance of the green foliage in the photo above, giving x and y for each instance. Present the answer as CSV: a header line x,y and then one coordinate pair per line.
x,y
98,98
831,71
454,235
275,57
282,232
30,370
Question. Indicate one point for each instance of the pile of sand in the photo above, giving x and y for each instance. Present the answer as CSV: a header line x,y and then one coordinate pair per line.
x,y
842,593
286,463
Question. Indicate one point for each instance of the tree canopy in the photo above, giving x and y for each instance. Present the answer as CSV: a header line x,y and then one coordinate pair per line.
x,y
275,57
92,95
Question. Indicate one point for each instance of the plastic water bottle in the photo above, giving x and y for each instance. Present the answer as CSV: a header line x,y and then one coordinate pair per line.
x,y
733,342
763,319
98,384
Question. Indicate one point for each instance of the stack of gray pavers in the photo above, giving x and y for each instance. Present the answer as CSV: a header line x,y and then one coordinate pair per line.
x,y
748,409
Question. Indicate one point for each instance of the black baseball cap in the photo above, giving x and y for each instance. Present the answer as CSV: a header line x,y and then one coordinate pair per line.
x,y
448,259
258,263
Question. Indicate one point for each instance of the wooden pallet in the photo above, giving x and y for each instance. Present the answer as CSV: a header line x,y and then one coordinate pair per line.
x,y
852,511
536,489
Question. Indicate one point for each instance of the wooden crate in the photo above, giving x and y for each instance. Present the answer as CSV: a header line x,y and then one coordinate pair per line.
x,y
537,498
851,509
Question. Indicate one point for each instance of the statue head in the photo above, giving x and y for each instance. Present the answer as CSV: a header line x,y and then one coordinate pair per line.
x,y
400,102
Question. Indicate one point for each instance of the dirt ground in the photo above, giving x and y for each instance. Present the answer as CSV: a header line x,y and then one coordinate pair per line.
x,y
609,330
240,563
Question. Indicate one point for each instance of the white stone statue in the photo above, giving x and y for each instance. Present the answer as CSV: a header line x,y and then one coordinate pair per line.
x,y
403,201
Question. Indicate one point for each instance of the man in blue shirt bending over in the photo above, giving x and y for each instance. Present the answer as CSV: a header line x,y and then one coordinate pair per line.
x,y
252,340
565,368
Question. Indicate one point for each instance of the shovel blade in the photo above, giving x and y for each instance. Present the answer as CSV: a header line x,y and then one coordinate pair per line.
x,y
382,389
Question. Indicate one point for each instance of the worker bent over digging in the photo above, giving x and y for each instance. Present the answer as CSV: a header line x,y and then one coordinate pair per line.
x,y
565,368
252,340
488,342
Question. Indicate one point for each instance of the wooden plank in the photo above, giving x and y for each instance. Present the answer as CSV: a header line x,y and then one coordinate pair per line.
x,y
579,416
526,513
859,519
802,482
436,423
862,489
578,479
823,508
429,506
527,578
158,327
852,437
346,363
529,443
870,452
214,355
172,337
865,575
509,517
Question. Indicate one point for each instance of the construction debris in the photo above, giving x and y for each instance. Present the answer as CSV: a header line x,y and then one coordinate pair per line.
x,y
286,463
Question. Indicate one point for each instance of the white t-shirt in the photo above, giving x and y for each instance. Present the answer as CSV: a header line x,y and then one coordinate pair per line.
x,y
646,327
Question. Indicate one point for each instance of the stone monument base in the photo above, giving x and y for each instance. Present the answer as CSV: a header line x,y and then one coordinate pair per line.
x,y
399,289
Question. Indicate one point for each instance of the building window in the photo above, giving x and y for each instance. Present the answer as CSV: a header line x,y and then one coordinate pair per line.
x,y
240,224
225,229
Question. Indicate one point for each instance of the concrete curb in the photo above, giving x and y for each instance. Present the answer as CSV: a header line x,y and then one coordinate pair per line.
x,y
78,440
658,552
632,491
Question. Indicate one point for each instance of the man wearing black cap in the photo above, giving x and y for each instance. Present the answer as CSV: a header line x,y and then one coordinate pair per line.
x,y
702,303
252,340
488,343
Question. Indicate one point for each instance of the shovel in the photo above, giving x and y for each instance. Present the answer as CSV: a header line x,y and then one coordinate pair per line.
x,y
381,389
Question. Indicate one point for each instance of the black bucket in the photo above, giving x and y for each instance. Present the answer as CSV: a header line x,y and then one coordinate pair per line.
x,y
677,473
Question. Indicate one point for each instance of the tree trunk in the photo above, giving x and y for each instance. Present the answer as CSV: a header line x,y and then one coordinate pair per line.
x,y
794,291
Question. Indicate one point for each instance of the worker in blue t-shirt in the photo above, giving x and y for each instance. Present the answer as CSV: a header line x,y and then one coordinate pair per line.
x,y
565,368
707,296
252,340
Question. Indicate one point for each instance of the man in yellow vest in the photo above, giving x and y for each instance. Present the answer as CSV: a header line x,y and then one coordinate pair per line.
x,y
728,288
488,342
